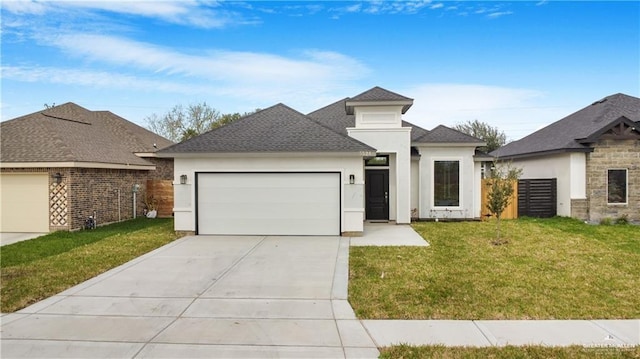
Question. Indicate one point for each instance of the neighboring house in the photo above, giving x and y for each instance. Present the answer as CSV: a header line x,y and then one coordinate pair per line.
x,y
65,163
594,155
281,172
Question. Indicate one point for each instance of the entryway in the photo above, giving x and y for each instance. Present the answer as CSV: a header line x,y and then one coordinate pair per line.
x,y
377,194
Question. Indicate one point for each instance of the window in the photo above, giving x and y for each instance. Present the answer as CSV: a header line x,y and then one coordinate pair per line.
x,y
446,183
617,186
380,160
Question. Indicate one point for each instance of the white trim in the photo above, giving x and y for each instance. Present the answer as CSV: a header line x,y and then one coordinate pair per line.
x,y
460,205
626,184
449,144
76,165
352,103
265,154
393,129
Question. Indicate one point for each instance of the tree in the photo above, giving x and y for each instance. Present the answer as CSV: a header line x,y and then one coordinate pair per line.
x,y
501,180
182,123
489,134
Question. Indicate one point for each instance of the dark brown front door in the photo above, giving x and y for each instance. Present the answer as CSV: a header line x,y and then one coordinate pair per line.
x,y
377,194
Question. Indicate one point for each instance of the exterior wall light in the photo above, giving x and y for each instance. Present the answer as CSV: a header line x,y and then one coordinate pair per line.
x,y
352,179
183,179
57,178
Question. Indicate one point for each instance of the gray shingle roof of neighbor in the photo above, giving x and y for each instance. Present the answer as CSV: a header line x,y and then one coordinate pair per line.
x,y
378,94
276,129
71,133
336,117
444,134
569,133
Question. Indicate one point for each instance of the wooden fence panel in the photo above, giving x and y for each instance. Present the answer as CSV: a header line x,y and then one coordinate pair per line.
x,y
537,197
511,212
162,191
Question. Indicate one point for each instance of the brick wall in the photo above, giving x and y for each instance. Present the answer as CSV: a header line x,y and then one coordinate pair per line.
x,y
108,192
613,154
85,190
164,168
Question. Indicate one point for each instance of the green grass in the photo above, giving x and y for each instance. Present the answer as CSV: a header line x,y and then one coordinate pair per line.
x,y
39,268
550,269
508,352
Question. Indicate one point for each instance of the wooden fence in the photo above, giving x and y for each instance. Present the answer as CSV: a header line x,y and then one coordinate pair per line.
x,y
162,192
511,212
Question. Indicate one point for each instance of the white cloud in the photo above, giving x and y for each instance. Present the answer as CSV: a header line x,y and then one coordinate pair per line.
x,y
201,14
436,6
310,67
99,79
516,111
497,14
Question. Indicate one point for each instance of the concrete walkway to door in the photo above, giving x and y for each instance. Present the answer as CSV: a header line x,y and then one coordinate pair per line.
x,y
204,296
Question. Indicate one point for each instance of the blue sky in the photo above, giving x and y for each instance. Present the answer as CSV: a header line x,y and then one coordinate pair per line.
x,y
515,65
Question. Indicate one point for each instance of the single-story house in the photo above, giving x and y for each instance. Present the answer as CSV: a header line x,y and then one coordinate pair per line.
x,y
594,155
66,163
280,172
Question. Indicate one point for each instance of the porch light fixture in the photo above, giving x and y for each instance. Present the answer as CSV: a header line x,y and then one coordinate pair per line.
x,y
352,179
183,179
57,178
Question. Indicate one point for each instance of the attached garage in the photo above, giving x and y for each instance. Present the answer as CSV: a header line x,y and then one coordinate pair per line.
x,y
268,203
24,202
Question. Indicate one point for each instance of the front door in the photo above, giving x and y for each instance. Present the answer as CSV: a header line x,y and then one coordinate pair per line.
x,y
377,194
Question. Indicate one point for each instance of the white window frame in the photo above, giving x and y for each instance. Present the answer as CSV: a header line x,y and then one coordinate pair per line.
x,y
433,182
626,183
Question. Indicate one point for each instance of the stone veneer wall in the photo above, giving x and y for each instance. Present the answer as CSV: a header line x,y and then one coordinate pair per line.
x,y
580,209
613,154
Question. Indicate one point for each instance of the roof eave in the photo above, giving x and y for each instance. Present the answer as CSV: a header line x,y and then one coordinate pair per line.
x,y
544,153
350,104
210,154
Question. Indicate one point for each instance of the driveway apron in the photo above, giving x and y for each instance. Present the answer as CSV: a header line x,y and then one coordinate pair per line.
x,y
203,296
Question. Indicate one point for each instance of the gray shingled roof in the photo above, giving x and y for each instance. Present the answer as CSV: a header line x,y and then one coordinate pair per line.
x,y
70,133
276,129
444,134
568,134
336,117
378,94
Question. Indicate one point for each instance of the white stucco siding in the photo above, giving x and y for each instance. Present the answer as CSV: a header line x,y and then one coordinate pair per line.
x,y
351,201
569,169
415,185
378,116
394,141
468,184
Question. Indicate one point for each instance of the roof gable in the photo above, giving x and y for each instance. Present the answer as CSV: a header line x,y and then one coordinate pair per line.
x,y
71,133
378,96
570,133
335,117
276,129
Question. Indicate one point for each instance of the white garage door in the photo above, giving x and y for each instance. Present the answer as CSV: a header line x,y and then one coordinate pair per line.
x,y
24,202
268,203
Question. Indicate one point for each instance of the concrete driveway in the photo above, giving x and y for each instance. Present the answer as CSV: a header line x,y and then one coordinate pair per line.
x,y
204,296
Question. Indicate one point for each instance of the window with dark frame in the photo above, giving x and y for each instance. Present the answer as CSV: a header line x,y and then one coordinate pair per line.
x,y
617,186
446,183
380,160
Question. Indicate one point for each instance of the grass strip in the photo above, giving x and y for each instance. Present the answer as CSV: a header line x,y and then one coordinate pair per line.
x,y
507,352
551,269
35,275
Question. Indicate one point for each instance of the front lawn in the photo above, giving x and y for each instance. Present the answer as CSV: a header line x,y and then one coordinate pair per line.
x,y
39,268
508,352
551,269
